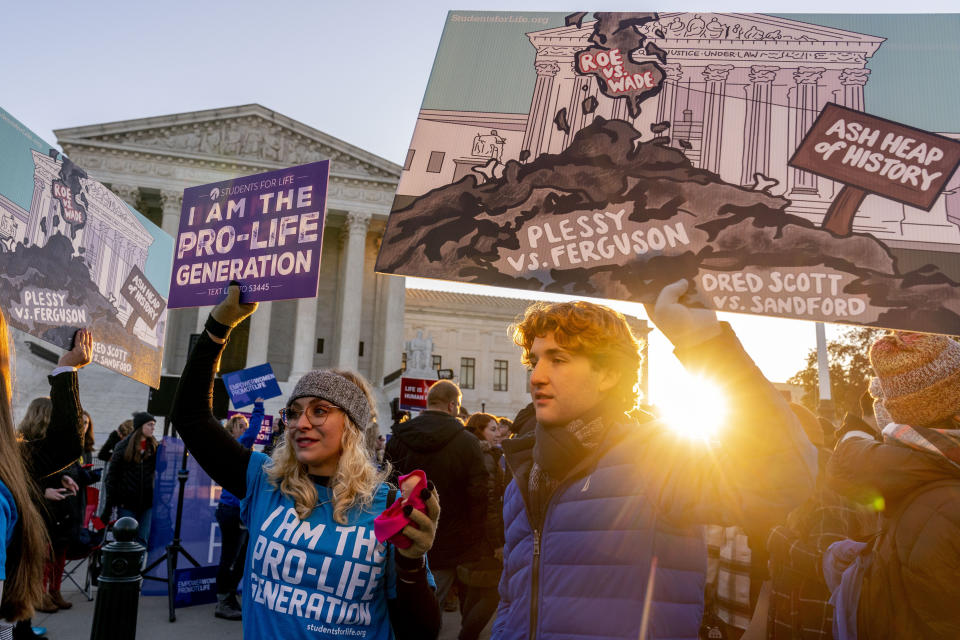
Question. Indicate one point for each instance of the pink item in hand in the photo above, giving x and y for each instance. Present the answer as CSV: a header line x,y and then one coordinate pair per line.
x,y
388,525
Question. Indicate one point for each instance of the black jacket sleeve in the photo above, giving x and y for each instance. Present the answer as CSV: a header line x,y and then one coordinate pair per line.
x,y
415,612
107,449
222,457
62,445
476,485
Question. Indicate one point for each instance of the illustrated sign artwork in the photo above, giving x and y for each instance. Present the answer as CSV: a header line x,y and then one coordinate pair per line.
x,y
413,393
773,160
264,230
870,154
247,385
266,427
73,254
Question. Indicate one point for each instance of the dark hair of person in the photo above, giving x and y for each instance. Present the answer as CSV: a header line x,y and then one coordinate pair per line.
x,y
88,443
478,422
125,428
443,392
132,450
27,551
36,419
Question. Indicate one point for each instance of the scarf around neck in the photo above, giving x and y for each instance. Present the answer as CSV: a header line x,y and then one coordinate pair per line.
x,y
944,443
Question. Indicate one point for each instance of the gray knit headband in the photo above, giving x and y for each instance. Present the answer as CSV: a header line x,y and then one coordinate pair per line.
x,y
334,388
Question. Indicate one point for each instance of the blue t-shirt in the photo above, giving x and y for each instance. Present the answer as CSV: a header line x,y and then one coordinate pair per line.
x,y
8,521
313,578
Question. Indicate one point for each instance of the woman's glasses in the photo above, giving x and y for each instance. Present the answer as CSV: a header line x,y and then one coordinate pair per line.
x,y
316,414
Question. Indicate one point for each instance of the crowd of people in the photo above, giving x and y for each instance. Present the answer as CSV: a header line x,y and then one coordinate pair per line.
x,y
582,515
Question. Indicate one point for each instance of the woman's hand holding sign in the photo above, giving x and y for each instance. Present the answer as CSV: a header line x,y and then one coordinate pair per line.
x,y
81,353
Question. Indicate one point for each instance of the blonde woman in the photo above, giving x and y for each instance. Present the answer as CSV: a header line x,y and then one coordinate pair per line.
x,y
313,566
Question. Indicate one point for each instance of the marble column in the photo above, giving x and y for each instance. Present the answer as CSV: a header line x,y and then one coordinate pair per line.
x,y
39,210
582,86
388,327
667,99
716,80
756,141
172,202
807,108
351,284
128,193
259,339
853,81
540,118
304,338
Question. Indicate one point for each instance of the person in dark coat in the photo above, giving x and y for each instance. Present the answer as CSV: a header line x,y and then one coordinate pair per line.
x,y
50,438
436,442
118,434
909,588
129,479
482,576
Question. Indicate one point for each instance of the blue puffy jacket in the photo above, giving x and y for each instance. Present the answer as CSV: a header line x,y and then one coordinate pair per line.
x,y
642,494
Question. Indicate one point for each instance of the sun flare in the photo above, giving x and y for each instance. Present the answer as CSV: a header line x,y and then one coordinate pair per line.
x,y
692,406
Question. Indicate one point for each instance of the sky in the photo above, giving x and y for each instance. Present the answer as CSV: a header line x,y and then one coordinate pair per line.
x,y
355,70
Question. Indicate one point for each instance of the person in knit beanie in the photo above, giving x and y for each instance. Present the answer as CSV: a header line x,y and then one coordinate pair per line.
x,y
880,412
919,375
912,478
128,481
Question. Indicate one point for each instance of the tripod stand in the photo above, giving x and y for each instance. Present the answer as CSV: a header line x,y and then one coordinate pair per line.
x,y
175,548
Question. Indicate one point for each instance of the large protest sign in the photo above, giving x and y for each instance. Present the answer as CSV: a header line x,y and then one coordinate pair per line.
x,y
247,385
264,230
73,255
609,154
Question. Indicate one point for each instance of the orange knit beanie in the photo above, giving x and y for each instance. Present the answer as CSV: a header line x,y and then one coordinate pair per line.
x,y
920,376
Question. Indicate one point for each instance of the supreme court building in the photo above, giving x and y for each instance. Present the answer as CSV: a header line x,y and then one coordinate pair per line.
x,y
356,320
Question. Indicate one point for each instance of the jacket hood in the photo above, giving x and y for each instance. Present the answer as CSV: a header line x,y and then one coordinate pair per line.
x,y
429,432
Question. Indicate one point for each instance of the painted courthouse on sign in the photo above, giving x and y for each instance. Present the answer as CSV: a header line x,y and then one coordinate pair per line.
x,y
740,93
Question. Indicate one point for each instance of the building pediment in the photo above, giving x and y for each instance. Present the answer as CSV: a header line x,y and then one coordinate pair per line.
x,y
693,29
249,134
746,26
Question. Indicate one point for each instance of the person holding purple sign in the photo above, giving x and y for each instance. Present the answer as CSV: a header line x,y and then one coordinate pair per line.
x,y
233,534
314,567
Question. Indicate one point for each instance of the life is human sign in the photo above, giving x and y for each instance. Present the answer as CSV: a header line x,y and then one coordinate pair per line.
x,y
265,231
413,393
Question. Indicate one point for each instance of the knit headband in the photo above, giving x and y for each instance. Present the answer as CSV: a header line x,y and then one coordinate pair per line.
x,y
334,388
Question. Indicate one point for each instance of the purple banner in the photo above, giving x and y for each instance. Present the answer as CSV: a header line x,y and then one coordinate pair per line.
x,y
264,230
266,427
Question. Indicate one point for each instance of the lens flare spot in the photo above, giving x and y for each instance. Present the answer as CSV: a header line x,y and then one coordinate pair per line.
x,y
692,407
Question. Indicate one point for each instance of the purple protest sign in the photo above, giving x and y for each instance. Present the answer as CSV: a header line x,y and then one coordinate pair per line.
x,y
264,230
266,427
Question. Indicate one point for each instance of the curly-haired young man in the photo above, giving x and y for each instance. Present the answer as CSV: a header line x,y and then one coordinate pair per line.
x,y
603,498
